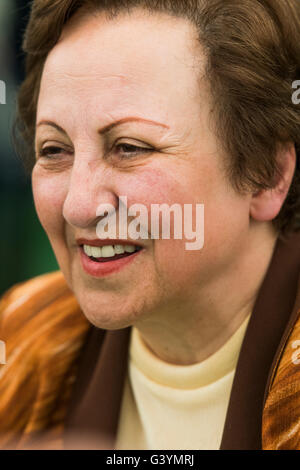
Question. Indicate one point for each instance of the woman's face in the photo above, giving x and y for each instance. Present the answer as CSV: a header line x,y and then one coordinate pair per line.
x,y
107,85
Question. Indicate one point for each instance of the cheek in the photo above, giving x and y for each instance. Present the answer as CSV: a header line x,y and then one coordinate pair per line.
x,y
173,263
154,186
49,196
225,223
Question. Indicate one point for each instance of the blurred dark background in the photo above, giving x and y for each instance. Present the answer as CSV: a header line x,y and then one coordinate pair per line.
x,y
25,250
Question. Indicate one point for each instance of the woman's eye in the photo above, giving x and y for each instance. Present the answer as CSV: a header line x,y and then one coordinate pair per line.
x,y
52,152
123,150
129,150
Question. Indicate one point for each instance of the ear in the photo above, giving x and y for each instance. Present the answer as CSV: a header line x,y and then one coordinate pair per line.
x,y
266,204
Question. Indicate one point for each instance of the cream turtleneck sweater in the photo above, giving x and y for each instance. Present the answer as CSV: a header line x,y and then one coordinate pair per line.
x,y
167,406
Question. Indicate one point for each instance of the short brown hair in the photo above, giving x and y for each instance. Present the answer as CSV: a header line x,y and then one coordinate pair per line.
x,y
253,57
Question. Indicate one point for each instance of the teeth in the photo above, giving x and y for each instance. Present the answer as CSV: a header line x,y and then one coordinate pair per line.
x,y
119,249
130,248
88,250
108,251
96,251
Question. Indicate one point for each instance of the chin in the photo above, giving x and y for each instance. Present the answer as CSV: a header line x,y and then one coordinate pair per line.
x,y
104,323
107,313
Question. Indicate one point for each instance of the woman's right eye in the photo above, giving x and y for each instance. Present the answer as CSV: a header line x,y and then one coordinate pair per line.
x,y
52,151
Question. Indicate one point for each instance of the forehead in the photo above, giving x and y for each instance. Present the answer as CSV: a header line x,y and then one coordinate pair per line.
x,y
135,58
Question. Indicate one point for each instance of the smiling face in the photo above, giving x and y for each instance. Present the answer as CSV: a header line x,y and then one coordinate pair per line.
x,y
108,87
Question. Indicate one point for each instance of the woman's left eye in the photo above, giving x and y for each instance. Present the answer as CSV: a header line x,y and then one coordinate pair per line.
x,y
130,150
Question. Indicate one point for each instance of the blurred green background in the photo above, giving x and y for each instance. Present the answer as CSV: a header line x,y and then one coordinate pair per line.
x,y
25,250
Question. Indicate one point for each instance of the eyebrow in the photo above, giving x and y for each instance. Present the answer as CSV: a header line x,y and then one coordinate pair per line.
x,y
107,128
52,124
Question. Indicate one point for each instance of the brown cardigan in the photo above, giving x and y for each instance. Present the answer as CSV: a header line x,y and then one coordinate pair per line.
x,y
64,378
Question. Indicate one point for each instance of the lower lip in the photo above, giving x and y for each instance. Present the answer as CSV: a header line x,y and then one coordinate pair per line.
x,y
102,269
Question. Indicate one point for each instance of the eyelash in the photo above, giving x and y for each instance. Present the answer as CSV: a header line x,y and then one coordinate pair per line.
x,y
46,152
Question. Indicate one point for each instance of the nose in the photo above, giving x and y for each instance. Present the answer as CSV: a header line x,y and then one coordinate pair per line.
x,y
88,186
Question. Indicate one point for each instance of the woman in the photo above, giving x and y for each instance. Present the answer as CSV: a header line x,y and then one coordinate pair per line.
x,y
139,342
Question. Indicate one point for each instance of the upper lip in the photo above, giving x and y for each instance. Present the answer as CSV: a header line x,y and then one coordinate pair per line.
x,y
109,241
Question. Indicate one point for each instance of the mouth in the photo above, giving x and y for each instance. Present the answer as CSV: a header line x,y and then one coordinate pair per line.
x,y
108,253
102,258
